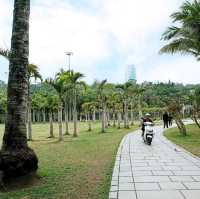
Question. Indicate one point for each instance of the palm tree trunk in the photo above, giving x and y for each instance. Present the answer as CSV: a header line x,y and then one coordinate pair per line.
x,y
94,116
43,115
33,115
114,120
119,120
89,123
15,145
66,120
132,121
29,122
60,122
103,118
51,124
75,115
38,116
139,107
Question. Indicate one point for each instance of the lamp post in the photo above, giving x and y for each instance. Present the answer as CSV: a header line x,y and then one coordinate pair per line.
x,y
69,54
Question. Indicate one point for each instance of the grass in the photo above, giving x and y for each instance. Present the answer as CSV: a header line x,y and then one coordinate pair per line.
x,y
78,168
191,142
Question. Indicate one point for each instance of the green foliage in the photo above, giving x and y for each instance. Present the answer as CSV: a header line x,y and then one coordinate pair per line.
x,y
184,38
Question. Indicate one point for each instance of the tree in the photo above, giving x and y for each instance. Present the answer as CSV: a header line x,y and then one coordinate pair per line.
x,y
184,38
195,101
33,72
102,98
76,85
15,150
87,108
174,108
58,85
124,89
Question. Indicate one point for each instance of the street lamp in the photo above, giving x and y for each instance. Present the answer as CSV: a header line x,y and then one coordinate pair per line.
x,y
69,54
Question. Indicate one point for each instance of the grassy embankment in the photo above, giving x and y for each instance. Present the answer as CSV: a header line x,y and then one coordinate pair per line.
x,y
191,142
78,168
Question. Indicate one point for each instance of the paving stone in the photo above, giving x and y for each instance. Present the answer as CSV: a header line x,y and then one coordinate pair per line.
x,y
125,179
113,195
126,174
114,182
191,194
187,173
152,179
126,186
147,168
142,173
159,195
113,188
181,178
147,186
196,178
140,164
172,168
172,185
162,173
190,168
192,185
127,195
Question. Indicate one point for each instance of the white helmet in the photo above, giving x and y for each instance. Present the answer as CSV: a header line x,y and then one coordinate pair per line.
x,y
147,115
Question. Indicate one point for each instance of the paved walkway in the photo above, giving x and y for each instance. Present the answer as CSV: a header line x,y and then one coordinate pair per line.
x,y
159,171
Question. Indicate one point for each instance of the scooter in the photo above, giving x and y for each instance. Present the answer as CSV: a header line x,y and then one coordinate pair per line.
x,y
148,133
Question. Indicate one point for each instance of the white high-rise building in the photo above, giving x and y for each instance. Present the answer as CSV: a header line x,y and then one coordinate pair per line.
x,y
130,73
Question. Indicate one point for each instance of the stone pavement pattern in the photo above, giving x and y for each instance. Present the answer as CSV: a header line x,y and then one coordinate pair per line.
x,y
160,171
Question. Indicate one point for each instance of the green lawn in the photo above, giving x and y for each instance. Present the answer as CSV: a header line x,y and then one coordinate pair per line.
x,y
78,168
191,142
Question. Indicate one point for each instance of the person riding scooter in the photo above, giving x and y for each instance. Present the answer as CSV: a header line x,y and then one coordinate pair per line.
x,y
145,119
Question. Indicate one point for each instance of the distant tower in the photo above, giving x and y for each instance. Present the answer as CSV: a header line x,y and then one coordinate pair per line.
x,y
130,73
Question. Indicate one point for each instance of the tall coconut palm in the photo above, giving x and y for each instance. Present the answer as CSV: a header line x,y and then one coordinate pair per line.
x,y
33,72
185,37
15,150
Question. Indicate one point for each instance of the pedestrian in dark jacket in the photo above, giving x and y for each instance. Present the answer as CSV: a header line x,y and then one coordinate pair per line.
x,y
165,120
170,118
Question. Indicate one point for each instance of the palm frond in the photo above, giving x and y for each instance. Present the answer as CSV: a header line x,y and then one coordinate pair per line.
x,y
5,53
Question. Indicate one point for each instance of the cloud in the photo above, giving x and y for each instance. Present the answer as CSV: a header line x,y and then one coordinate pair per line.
x,y
104,36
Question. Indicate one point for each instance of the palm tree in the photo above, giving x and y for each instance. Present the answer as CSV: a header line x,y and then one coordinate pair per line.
x,y
52,101
64,76
76,85
87,109
58,85
184,38
15,149
33,72
124,90
102,99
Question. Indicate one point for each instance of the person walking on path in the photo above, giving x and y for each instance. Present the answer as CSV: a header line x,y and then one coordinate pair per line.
x,y
170,118
165,120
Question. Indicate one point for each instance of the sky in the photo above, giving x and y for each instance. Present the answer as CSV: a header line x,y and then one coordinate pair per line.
x,y
104,35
